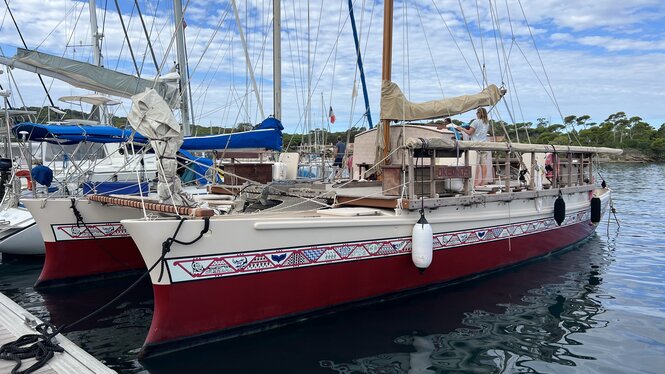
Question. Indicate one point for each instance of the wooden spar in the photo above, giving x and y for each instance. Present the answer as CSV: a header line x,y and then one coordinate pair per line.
x,y
387,68
157,207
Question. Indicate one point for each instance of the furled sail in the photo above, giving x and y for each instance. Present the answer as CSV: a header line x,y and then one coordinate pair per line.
x,y
395,106
90,77
152,117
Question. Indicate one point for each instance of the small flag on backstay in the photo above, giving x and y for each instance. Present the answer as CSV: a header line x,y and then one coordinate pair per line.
x,y
331,114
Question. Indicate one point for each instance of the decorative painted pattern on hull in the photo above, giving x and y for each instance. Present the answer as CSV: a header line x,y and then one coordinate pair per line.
x,y
195,311
197,268
89,231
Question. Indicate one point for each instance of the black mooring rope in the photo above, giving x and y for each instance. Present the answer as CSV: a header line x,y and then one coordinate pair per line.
x,y
42,347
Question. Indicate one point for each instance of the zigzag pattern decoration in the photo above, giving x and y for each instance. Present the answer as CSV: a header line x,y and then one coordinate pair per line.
x,y
246,263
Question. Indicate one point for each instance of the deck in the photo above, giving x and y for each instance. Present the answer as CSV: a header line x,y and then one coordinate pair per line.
x,y
73,360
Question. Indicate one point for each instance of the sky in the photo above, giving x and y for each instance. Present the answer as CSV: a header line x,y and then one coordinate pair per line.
x,y
556,58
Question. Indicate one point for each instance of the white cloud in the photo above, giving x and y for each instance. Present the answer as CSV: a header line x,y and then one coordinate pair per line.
x,y
584,81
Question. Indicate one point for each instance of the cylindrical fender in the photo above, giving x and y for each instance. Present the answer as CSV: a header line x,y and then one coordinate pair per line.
x,y
422,246
595,210
559,210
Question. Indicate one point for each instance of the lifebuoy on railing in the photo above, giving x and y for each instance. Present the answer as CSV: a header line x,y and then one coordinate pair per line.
x,y
25,174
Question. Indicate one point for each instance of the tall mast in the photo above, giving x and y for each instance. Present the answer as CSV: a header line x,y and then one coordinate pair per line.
x,y
96,35
360,64
97,54
182,66
277,59
387,67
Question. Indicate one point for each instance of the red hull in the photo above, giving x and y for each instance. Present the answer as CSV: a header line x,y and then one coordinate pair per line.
x,y
72,260
195,308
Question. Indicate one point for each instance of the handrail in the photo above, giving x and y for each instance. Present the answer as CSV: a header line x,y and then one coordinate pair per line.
x,y
157,207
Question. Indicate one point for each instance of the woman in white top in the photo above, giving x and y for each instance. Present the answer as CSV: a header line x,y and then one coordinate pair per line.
x,y
478,133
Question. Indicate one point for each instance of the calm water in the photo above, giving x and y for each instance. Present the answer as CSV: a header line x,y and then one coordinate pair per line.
x,y
597,308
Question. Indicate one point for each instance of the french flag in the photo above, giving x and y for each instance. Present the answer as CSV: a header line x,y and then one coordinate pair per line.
x,y
331,114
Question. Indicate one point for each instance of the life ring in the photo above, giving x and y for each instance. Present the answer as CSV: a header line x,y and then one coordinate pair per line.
x,y
25,174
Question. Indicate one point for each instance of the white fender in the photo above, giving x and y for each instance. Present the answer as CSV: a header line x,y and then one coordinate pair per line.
x,y
278,171
422,244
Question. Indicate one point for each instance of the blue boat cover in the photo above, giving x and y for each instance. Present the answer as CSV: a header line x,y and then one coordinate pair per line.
x,y
42,175
267,135
72,134
117,188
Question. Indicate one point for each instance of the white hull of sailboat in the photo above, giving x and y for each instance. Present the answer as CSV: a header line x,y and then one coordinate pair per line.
x,y
252,270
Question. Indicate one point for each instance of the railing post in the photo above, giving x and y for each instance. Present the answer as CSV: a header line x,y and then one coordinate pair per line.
x,y
532,180
467,181
507,166
432,181
410,176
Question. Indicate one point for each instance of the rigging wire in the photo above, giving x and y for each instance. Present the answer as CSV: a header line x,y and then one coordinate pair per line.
x,y
482,47
431,55
473,46
147,37
129,43
450,32
41,80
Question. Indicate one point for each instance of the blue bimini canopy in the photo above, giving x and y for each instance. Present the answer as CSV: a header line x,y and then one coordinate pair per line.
x,y
267,135
72,134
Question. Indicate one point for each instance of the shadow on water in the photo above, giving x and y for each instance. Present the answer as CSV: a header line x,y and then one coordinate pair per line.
x,y
503,321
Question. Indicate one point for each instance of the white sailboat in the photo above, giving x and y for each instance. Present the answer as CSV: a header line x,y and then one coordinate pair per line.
x,y
85,240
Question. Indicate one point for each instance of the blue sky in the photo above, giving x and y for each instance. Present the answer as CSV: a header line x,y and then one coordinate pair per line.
x,y
599,57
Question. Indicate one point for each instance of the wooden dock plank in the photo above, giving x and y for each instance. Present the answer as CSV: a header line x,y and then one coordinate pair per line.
x,y
73,360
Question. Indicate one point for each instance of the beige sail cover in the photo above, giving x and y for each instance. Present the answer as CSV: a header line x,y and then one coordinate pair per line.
x,y
395,106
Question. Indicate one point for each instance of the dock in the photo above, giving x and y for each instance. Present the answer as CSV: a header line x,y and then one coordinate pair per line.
x,y
73,360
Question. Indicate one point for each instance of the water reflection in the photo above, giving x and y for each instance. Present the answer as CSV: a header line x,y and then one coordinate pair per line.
x,y
542,325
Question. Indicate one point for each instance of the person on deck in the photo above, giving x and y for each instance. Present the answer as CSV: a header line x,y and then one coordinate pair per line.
x,y
444,124
340,148
478,133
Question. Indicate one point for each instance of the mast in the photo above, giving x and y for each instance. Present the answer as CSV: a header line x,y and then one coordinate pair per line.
x,y
277,60
248,60
182,66
387,67
360,64
96,35
97,53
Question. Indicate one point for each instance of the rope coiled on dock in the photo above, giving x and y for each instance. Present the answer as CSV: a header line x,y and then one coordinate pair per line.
x,y
42,347
38,346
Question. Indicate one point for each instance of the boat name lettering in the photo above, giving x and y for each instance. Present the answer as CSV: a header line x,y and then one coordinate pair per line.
x,y
447,172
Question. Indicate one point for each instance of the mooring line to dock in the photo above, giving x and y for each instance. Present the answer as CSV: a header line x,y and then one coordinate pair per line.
x,y
42,347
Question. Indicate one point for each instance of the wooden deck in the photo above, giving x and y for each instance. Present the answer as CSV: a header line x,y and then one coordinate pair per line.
x,y
73,360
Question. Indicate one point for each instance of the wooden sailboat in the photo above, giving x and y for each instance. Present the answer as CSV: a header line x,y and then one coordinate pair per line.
x,y
223,276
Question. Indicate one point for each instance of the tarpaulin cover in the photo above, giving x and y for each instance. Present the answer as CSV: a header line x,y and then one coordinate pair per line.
x,y
267,135
72,134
